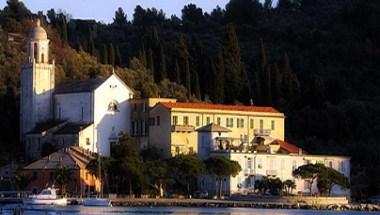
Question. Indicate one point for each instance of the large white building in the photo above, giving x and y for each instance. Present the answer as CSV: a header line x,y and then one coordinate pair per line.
x,y
88,113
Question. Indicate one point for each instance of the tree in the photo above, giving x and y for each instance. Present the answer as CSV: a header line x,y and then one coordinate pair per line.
x,y
185,169
232,65
105,54
118,59
288,186
22,181
63,177
329,177
127,166
120,17
192,15
221,167
183,57
111,52
218,67
309,172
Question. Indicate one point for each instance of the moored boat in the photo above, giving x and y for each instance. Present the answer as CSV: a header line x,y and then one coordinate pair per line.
x,y
46,197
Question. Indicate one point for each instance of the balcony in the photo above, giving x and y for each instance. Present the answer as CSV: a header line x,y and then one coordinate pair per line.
x,y
183,128
262,132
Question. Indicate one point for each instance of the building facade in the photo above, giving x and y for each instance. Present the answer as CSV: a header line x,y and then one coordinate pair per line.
x,y
173,127
42,173
87,113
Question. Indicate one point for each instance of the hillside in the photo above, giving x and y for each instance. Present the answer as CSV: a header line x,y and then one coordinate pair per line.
x,y
315,60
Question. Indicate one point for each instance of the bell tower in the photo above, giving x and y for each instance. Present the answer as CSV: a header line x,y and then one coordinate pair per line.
x,y
37,82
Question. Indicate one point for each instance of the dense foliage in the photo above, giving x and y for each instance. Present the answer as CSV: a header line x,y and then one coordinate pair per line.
x,y
315,60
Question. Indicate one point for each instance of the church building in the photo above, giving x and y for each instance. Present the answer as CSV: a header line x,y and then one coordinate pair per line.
x,y
91,114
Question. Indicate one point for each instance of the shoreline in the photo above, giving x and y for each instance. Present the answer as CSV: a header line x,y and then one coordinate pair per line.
x,y
213,203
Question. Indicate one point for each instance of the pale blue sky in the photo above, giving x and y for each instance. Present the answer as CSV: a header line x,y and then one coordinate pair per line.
x,y
104,10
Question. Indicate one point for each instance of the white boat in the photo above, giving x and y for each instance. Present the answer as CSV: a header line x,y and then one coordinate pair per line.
x,y
96,202
46,197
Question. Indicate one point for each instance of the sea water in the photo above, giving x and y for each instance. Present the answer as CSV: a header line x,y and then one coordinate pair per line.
x,y
71,210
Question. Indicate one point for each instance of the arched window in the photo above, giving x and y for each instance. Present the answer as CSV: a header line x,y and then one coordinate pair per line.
x,y
113,106
35,54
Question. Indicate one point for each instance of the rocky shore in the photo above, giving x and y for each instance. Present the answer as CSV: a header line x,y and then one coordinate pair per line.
x,y
125,202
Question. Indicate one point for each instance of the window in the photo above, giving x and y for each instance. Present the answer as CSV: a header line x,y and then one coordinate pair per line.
x,y
232,122
251,123
259,163
113,106
261,124
143,107
185,120
151,121
191,150
237,123
175,120
218,120
272,125
59,112
242,123
88,141
42,58
86,175
158,121
177,150
207,120
249,163
135,107
197,120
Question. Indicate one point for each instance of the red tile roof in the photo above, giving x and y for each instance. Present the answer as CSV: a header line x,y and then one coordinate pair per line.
x,y
287,146
170,105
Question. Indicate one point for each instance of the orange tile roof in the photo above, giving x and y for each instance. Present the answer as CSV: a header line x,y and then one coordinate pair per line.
x,y
170,105
287,146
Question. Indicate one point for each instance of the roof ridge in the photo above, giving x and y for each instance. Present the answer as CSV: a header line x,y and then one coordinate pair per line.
x,y
203,105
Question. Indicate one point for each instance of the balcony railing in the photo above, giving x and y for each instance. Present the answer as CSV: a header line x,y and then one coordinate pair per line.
x,y
262,132
183,128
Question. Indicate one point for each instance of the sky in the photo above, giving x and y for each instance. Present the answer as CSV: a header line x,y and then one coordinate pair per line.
x,y
104,10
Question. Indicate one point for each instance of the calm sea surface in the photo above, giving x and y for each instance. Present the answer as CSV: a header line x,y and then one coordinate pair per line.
x,y
47,210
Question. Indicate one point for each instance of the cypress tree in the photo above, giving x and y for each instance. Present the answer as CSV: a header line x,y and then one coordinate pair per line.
x,y
143,56
267,85
276,84
91,47
150,62
197,87
64,28
183,57
162,64
118,56
219,78
105,54
177,77
111,52
233,65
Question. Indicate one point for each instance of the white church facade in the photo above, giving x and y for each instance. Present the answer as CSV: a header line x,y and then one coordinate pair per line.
x,y
91,114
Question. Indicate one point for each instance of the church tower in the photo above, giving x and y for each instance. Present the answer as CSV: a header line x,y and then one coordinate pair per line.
x,y
37,82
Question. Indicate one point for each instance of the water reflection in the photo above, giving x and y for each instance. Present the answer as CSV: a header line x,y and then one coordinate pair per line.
x,y
79,210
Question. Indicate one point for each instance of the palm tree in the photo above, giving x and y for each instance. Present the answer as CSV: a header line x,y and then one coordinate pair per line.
x,y
289,186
